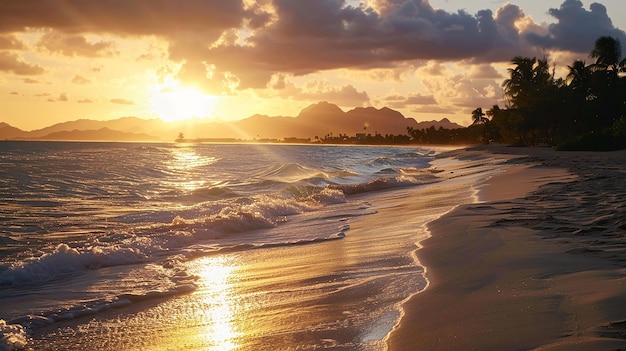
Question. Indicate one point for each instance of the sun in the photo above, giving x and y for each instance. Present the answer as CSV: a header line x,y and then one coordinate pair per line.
x,y
176,103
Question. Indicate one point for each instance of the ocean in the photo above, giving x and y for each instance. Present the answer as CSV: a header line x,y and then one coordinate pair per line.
x,y
136,246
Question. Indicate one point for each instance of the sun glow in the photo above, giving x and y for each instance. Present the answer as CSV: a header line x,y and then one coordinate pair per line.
x,y
176,103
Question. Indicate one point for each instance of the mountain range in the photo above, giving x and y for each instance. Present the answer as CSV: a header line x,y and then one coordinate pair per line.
x,y
317,120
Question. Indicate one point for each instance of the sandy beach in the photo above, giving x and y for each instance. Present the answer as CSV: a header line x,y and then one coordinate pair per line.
x,y
538,264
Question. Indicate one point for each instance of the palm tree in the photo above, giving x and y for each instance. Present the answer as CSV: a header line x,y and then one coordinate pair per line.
x,y
581,96
580,81
521,78
578,74
478,117
529,78
606,81
608,54
529,91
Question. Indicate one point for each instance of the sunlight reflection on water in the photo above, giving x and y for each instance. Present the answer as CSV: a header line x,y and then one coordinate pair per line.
x,y
215,280
185,165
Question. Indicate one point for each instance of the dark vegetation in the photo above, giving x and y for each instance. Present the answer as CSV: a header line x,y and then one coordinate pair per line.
x,y
584,111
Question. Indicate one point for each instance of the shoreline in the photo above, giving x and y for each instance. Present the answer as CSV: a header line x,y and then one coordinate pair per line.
x,y
530,266
343,294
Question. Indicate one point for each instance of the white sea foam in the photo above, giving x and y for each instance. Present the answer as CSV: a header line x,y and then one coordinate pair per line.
x,y
12,336
203,221
65,260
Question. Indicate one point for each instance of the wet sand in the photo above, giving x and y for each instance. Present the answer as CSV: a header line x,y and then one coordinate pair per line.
x,y
539,264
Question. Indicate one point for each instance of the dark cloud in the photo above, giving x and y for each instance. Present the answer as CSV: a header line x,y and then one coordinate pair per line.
x,y
10,62
577,29
123,17
303,36
85,101
122,102
311,36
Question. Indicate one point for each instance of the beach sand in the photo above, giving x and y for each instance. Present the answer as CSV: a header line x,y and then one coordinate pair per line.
x,y
538,264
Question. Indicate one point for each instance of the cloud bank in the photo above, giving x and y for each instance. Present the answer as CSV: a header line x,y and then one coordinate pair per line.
x,y
577,29
234,44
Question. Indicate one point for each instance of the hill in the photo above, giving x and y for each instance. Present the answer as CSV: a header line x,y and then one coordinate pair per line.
x,y
9,132
316,120
319,120
124,124
102,134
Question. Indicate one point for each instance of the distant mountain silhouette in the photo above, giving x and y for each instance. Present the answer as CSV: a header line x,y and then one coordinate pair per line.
x,y
102,134
9,132
318,119
322,119
124,124
443,123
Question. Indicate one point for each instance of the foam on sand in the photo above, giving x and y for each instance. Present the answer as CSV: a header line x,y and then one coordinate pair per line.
x,y
12,336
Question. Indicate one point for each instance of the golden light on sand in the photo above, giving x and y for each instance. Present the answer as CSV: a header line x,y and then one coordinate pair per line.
x,y
175,103
215,279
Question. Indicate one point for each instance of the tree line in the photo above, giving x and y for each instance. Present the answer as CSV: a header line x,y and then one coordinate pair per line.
x,y
585,110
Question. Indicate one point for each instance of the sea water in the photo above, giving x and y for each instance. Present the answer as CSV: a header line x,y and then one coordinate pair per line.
x,y
90,231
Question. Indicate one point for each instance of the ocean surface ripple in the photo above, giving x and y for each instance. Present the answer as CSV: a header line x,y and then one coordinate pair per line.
x,y
86,227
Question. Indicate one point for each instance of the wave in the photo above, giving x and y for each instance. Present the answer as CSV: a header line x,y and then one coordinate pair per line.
x,y
415,159
138,237
220,192
289,172
65,260
196,251
386,183
145,235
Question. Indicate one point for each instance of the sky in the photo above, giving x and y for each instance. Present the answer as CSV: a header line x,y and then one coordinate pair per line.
x,y
63,60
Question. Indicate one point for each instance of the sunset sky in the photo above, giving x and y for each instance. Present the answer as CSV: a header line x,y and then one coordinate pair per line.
x,y
64,60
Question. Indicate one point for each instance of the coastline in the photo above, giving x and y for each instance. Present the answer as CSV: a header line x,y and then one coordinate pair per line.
x,y
522,266
340,294
539,263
